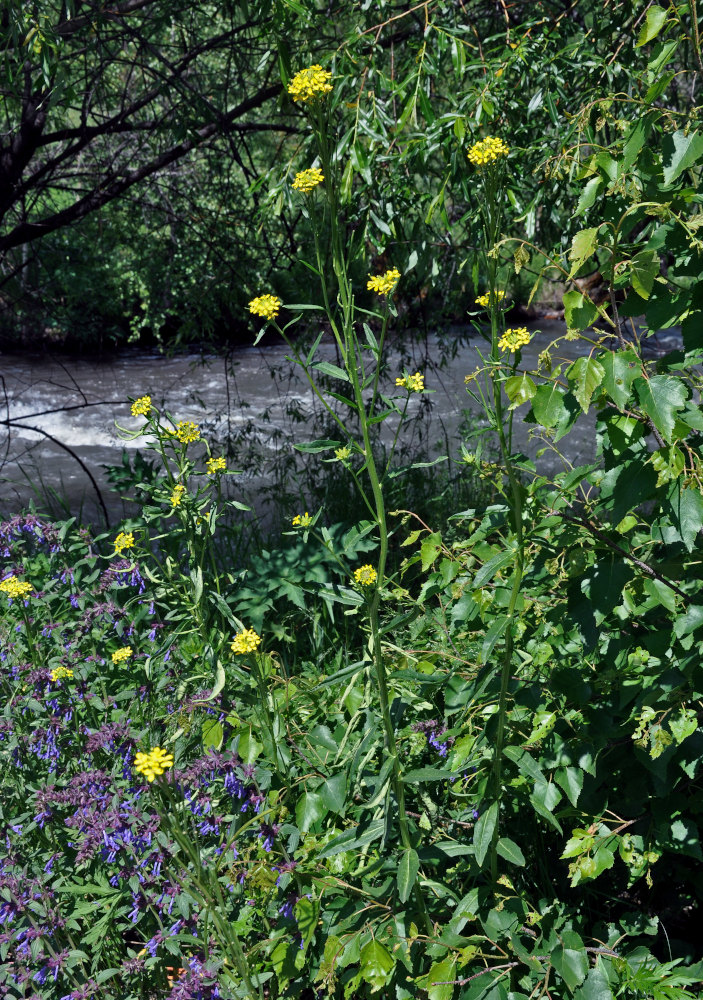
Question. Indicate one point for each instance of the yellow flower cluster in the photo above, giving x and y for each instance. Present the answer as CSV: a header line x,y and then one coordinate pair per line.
x,y
365,575
214,465
119,655
267,306
310,83
383,283
153,763
306,180
61,673
246,642
125,540
487,151
187,431
177,495
342,454
413,383
513,339
301,520
16,588
485,300
141,406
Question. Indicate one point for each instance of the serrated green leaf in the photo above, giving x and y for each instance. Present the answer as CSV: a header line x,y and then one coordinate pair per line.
x,y
308,810
376,964
579,311
644,267
683,724
440,978
585,375
653,24
620,368
333,792
583,246
661,397
519,389
548,405
679,152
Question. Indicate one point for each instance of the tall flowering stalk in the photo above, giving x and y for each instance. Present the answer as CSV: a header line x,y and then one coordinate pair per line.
x,y
311,88
488,157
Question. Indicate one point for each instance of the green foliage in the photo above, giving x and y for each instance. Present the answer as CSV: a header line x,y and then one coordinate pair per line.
x,y
469,756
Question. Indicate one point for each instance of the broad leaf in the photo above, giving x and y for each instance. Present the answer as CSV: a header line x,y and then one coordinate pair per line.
x,y
583,246
334,792
440,985
661,397
509,850
680,151
519,389
376,964
548,405
621,368
309,809
585,375
653,24
579,311
644,267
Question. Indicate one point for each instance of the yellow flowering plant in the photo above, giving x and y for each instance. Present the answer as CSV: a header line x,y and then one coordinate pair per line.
x,y
310,84
15,588
122,655
307,180
246,641
124,540
266,306
153,763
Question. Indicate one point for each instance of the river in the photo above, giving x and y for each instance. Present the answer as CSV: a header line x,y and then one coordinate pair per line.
x,y
60,416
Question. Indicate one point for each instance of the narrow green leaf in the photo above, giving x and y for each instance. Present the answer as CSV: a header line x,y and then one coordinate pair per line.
x,y
483,832
329,369
311,447
408,867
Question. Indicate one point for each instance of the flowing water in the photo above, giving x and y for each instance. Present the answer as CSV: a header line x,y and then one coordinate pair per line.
x,y
60,419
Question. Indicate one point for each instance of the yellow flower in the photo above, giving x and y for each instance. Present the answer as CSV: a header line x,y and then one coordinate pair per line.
x,y
177,495
365,575
487,151
413,383
310,83
61,673
301,520
267,306
485,300
153,763
383,283
342,454
125,540
306,180
214,465
141,406
187,432
246,642
119,655
16,588
513,340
